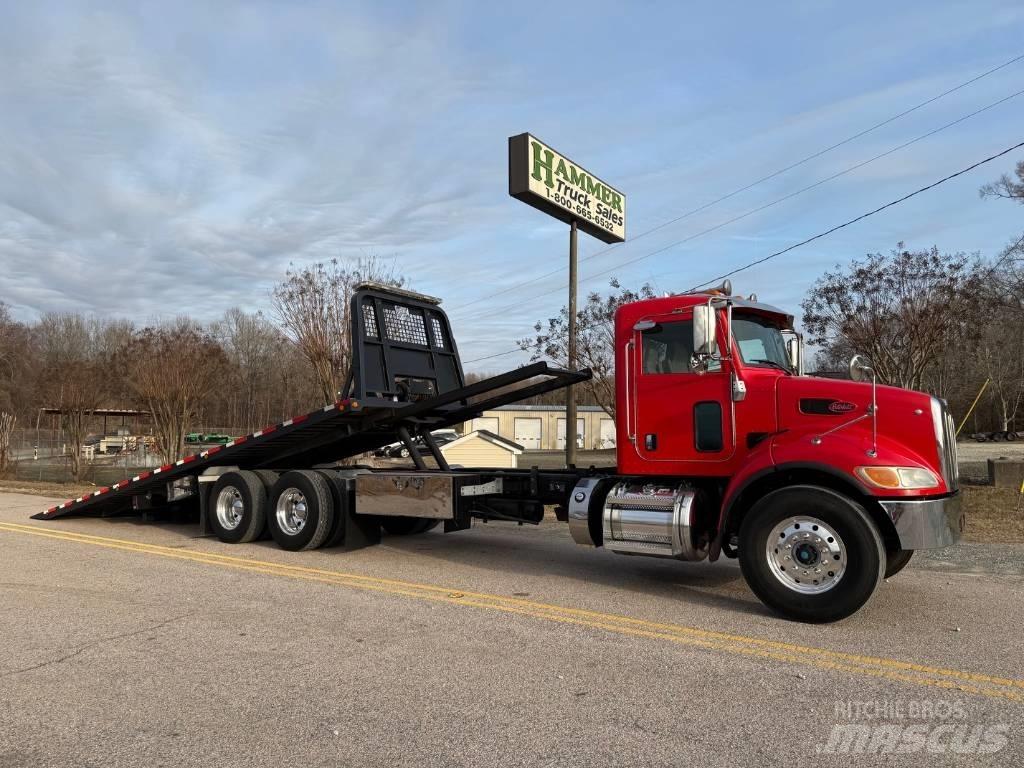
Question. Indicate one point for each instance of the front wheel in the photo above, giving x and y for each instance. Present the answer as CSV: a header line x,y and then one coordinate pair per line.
x,y
896,561
811,554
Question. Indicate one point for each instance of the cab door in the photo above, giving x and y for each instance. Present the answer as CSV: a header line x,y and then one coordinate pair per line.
x,y
682,415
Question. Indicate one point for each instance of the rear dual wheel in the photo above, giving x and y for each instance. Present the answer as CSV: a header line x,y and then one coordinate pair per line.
x,y
238,507
297,509
301,510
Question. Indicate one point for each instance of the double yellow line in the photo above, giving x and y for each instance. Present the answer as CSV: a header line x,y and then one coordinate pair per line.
x,y
741,645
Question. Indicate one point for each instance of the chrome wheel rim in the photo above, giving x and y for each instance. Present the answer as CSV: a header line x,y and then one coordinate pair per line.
x,y
291,511
806,555
230,508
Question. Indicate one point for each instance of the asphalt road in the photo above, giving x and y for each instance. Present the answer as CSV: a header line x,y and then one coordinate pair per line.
x,y
132,644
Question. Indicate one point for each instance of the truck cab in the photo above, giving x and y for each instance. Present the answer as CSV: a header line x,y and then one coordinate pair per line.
x,y
711,391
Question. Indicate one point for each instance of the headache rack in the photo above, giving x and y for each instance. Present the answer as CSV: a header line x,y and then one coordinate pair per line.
x,y
406,381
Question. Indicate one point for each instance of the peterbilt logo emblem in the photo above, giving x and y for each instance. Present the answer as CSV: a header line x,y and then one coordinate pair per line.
x,y
825,406
841,406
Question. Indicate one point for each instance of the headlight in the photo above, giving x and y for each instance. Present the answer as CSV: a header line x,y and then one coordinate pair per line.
x,y
898,477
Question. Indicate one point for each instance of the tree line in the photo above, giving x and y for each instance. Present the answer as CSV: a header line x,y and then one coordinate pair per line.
x,y
947,323
241,371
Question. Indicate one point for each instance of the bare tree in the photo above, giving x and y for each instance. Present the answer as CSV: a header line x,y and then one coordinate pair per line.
x,y
1002,358
312,305
75,374
904,310
1009,277
1006,187
249,341
172,369
19,368
7,421
595,342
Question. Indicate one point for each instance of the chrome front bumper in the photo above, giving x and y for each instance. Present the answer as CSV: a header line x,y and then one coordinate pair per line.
x,y
926,523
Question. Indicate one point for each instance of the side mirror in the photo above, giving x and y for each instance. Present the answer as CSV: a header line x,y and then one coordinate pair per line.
x,y
794,350
860,368
704,331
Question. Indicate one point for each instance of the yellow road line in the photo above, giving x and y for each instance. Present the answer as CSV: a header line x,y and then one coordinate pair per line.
x,y
893,669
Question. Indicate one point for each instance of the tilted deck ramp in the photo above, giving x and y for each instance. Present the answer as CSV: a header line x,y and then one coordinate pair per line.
x,y
406,378
338,431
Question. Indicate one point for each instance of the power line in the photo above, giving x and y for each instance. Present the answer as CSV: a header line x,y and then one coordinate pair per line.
x,y
777,201
881,208
825,233
753,184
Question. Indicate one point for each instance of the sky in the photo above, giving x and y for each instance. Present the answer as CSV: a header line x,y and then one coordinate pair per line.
x,y
160,159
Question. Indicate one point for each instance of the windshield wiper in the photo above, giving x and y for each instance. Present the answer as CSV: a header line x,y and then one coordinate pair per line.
x,y
773,364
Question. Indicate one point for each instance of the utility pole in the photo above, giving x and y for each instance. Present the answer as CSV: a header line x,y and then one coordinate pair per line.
x,y
570,391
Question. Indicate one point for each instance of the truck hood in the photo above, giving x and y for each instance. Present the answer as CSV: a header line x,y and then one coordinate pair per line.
x,y
809,408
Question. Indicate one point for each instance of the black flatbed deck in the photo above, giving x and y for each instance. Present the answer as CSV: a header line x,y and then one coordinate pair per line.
x,y
330,434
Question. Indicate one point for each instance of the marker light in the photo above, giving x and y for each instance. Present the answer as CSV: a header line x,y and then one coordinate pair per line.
x,y
898,477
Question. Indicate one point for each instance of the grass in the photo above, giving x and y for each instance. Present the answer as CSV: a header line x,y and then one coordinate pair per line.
x,y
992,517
52,490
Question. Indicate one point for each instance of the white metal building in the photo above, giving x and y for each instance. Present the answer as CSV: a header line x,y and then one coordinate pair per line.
x,y
542,427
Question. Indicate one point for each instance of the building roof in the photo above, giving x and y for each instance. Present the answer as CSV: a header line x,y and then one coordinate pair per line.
x,y
99,412
490,437
548,408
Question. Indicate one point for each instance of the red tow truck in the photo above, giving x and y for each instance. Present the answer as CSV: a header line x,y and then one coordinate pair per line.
x,y
821,488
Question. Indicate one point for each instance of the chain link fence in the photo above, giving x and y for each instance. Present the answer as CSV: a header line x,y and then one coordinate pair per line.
x,y
43,455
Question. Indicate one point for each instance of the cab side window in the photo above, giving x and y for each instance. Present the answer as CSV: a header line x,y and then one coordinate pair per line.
x,y
668,348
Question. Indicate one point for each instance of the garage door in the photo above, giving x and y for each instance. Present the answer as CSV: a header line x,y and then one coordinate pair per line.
x,y
561,434
528,433
607,434
490,423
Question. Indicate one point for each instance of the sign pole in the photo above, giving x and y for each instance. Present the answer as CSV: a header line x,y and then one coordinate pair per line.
x,y
550,182
570,391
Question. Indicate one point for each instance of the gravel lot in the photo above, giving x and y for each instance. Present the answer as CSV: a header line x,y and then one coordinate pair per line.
x,y
974,457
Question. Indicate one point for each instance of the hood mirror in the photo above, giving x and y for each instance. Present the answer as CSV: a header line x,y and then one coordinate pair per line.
x,y
860,368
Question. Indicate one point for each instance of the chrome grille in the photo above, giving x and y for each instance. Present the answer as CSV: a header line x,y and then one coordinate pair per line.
x,y
945,440
950,456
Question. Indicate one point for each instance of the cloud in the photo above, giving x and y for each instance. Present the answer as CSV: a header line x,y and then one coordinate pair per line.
x,y
156,162
134,173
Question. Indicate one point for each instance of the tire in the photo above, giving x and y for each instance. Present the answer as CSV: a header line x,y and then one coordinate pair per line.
x,y
336,536
1011,436
301,510
820,528
896,561
998,437
407,526
403,453
238,504
268,478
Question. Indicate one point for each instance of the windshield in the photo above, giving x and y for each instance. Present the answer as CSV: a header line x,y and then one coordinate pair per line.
x,y
760,342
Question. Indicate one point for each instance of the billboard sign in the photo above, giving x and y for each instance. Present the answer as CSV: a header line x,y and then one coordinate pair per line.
x,y
551,182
